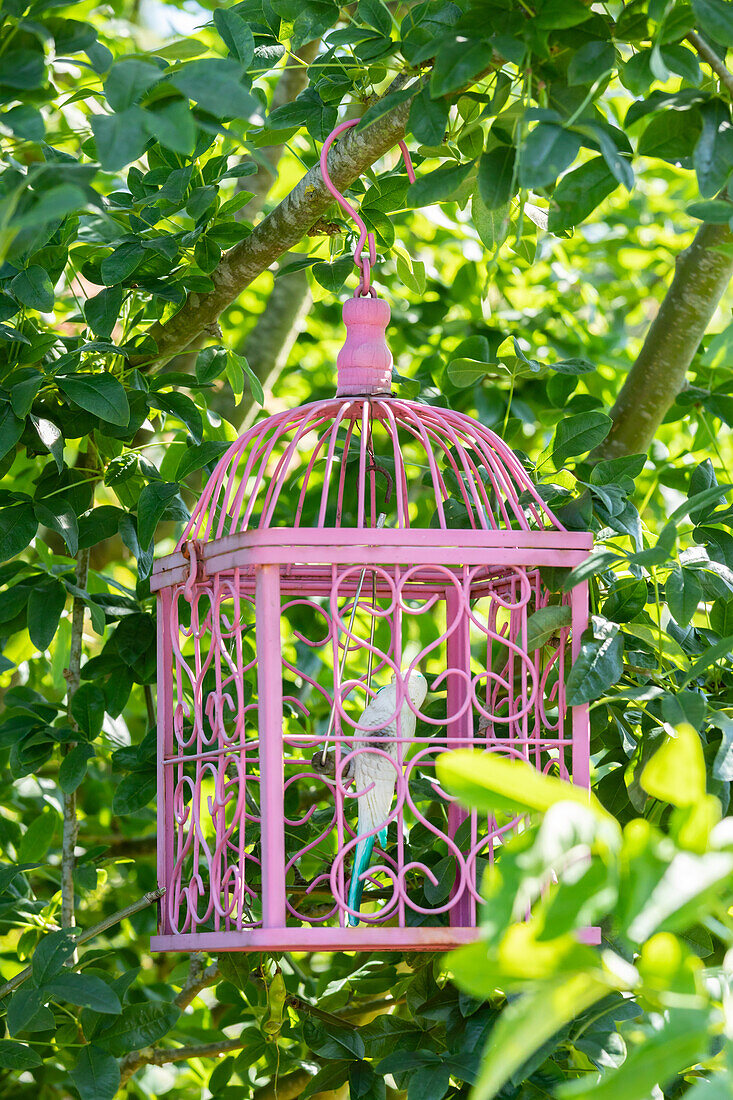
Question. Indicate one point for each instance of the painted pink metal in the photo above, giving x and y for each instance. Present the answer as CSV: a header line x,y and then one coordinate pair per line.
x,y
257,842
336,548
364,263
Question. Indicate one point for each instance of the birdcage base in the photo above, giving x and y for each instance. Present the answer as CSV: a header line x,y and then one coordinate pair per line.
x,y
334,939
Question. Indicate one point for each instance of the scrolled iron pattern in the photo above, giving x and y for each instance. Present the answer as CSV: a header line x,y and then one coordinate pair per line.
x,y
464,627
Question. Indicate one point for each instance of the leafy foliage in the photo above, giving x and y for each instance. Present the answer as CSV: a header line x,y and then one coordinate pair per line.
x,y
567,153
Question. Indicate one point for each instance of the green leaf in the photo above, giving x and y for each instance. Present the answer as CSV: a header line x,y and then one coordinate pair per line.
x,y
490,783
598,666
428,118
238,362
34,288
708,658
496,176
492,226
579,193
57,514
87,709
211,363
84,990
152,503
591,62
545,623
133,794
547,151
671,136
328,1078
216,86
26,1011
716,211
37,838
96,1074
18,526
173,125
24,121
716,19
24,386
102,311
120,138
18,1056
721,617
375,14
626,599
331,1041
100,394
11,429
333,276
236,35
45,605
723,765
53,205
182,407
364,1084
23,69
193,458
51,438
428,1083
578,434
676,771
9,872
457,62
73,767
681,1041
684,593
440,185
125,259
466,372
128,80
51,954
138,1026
528,1022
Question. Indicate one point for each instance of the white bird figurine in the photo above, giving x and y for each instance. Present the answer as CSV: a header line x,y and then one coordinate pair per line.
x,y
371,770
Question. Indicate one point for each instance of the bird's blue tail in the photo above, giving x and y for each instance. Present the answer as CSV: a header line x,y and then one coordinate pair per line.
x,y
362,856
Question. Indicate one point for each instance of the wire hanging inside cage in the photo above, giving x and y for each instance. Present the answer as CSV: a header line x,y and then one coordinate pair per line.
x,y
373,468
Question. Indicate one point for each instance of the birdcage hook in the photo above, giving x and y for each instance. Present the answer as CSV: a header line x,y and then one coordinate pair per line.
x,y
366,239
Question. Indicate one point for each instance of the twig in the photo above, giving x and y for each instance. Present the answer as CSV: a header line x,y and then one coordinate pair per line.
x,y
711,58
199,977
73,679
95,930
150,706
151,1056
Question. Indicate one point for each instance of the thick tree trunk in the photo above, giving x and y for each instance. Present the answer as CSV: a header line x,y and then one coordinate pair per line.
x,y
702,274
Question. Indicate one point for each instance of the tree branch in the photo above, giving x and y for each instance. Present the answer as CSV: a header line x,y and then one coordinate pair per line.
x,y
91,933
711,58
702,274
278,232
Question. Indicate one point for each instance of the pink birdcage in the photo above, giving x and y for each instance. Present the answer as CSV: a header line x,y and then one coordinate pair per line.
x,y
337,549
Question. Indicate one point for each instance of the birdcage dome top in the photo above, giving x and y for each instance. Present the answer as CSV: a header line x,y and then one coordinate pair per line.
x,y
338,463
